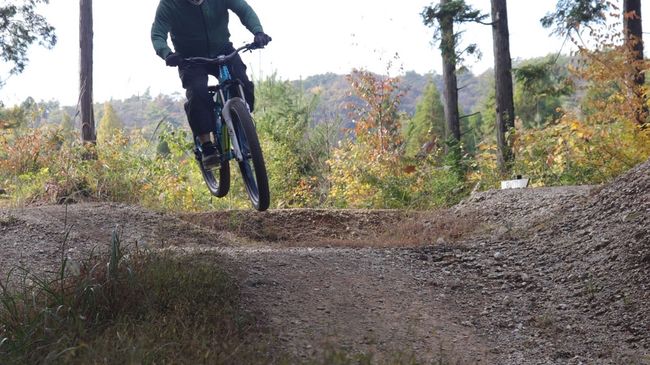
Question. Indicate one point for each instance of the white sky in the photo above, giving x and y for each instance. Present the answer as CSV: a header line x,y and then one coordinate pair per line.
x,y
309,37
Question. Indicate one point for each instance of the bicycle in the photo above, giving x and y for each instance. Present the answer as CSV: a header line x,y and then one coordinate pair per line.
x,y
234,135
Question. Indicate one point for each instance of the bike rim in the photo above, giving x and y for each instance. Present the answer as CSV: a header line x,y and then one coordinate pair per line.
x,y
247,166
248,171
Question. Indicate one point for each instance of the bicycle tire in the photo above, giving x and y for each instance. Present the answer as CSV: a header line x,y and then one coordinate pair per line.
x,y
220,184
255,176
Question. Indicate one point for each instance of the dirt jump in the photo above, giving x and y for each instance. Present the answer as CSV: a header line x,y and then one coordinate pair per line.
x,y
528,276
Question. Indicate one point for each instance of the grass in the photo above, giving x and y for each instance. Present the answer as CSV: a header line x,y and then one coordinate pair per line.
x,y
8,220
140,308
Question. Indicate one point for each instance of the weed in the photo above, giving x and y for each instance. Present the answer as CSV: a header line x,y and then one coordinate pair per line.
x,y
591,288
8,220
138,307
544,321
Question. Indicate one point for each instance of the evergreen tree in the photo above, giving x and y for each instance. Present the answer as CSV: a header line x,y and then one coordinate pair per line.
x,y
426,130
109,124
443,17
67,125
541,86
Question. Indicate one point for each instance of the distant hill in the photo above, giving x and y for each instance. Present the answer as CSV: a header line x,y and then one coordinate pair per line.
x,y
333,90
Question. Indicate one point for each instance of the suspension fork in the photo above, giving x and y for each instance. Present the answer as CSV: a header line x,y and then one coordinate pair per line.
x,y
227,118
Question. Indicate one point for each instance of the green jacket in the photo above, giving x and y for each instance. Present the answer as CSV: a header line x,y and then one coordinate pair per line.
x,y
198,31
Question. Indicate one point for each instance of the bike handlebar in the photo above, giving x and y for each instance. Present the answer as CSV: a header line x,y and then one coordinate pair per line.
x,y
220,60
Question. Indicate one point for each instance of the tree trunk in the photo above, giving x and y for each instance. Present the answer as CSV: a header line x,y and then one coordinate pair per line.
x,y
450,92
633,29
86,71
505,109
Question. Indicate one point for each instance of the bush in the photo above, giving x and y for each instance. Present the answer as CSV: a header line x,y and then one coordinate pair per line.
x,y
41,166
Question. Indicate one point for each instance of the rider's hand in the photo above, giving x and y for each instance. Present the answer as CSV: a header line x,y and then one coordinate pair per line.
x,y
261,39
173,59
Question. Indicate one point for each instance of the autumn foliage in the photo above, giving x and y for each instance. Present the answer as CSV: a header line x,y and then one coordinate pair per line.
x,y
595,129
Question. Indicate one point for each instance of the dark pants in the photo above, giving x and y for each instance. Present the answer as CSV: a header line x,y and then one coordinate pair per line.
x,y
200,105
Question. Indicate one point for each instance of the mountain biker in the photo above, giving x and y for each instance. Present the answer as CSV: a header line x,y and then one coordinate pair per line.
x,y
199,28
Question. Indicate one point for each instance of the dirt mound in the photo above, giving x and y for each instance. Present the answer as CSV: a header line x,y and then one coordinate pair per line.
x,y
301,227
565,271
610,241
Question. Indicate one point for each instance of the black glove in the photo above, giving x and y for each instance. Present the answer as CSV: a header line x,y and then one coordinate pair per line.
x,y
173,59
261,39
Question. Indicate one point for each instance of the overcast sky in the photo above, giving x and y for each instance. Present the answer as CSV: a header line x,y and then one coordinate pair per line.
x,y
309,37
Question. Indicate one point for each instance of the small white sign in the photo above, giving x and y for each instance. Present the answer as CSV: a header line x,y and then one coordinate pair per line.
x,y
514,184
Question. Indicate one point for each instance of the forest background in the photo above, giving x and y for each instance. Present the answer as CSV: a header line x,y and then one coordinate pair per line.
x,y
361,140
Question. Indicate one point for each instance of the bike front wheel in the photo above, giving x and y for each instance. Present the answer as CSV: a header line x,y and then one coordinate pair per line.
x,y
251,165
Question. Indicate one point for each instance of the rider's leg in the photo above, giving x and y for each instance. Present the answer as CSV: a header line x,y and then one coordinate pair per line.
x,y
200,107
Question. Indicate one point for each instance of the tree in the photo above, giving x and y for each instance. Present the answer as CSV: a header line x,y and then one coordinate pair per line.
x,y
283,114
67,124
442,18
20,27
542,85
571,15
12,118
86,71
109,124
505,109
427,127
633,31
378,119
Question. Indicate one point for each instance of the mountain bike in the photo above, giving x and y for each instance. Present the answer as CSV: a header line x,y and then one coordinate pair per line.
x,y
234,135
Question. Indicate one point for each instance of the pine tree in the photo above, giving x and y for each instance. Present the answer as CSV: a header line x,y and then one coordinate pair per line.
x,y
67,125
427,128
442,18
109,124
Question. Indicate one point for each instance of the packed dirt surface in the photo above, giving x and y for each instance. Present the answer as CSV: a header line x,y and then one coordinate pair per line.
x,y
529,276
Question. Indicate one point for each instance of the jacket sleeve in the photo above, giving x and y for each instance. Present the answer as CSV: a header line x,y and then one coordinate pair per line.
x,y
246,14
160,30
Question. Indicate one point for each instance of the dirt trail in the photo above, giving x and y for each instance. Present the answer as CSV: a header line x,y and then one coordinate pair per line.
x,y
535,276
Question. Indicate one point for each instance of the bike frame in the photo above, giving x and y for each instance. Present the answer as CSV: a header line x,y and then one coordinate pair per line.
x,y
223,92
222,96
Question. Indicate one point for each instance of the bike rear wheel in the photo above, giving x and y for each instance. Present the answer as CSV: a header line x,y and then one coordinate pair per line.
x,y
252,167
217,179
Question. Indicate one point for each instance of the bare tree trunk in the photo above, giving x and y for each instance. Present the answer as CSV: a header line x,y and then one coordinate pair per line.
x,y
86,71
505,107
633,29
450,92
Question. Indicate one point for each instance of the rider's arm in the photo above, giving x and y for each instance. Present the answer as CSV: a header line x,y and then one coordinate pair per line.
x,y
159,31
246,14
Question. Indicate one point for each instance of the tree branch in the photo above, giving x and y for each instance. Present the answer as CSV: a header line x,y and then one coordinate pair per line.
x,y
469,115
484,23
